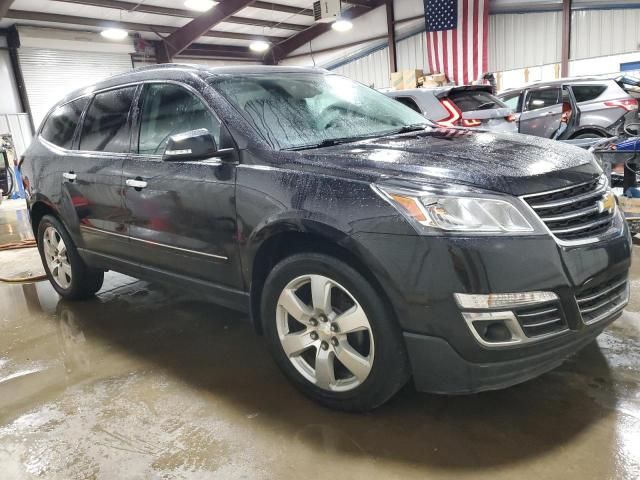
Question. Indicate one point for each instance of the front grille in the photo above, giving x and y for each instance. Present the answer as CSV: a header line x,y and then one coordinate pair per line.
x,y
574,213
599,301
541,320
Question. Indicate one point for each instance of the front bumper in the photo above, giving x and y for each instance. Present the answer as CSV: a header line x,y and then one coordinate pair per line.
x,y
421,275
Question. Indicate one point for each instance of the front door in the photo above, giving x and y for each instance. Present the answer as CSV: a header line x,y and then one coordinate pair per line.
x,y
92,177
181,214
542,112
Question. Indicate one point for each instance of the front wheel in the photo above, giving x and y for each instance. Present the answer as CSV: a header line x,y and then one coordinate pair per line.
x,y
67,272
331,333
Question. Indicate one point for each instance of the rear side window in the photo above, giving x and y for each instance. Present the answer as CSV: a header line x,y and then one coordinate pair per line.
x,y
168,110
409,102
584,93
468,101
512,101
61,124
106,123
543,98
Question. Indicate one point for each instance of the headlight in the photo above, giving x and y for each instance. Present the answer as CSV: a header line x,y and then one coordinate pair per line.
x,y
457,213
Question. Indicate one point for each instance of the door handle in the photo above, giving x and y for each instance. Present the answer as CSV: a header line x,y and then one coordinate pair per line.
x,y
136,183
69,176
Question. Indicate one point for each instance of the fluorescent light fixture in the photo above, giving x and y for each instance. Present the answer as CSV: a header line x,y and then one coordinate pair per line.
x,y
342,25
199,5
259,46
114,33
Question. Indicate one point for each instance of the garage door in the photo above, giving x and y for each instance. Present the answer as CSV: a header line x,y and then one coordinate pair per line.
x,y
51,74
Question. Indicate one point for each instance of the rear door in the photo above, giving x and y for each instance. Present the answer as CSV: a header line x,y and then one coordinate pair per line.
x,y
93,171
181,218
541,112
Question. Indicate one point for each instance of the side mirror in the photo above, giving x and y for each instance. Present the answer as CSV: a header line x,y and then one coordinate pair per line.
x,y
192,145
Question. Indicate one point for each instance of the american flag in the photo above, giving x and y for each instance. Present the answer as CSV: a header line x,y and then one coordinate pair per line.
x,y
457,38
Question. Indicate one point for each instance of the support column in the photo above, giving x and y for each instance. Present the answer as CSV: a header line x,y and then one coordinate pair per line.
x,y
391,37
566,37
13,43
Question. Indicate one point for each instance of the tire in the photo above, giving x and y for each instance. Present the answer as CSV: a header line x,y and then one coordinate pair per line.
x,y
66,271
588,135
375,352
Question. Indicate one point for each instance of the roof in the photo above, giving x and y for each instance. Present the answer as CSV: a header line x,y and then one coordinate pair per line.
x,y
177,71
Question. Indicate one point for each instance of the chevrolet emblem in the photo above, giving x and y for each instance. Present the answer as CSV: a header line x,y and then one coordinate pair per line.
x,y
607,203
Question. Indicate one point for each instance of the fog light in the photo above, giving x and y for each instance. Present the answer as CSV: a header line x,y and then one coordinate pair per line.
x,y
502,300
497,332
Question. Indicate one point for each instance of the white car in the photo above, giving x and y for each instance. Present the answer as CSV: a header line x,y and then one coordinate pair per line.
x,y
466,106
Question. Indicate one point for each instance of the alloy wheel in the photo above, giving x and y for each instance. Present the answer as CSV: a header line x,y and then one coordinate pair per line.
x,y
325,333
55,252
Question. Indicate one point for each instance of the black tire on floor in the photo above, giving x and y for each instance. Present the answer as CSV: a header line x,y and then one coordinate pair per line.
x,y
85,281
390,369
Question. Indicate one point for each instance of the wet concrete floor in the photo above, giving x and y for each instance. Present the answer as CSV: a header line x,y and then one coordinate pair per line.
x,y
145,382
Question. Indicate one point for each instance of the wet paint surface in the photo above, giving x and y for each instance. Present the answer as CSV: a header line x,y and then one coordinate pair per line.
x,y
144,382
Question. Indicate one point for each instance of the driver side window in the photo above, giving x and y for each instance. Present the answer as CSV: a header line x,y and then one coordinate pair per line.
x,y
167,110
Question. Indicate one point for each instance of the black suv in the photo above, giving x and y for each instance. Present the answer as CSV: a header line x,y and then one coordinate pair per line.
x,y
366,245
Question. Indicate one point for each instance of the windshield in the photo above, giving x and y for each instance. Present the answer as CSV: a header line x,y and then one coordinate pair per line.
x,y
296,110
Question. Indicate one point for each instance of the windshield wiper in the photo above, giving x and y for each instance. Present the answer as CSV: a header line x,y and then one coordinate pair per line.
x,y
329,142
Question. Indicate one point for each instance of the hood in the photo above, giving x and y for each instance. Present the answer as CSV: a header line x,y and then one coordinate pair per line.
x,y
510,163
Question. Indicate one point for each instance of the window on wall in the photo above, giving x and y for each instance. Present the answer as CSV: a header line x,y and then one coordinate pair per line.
x,y
168,110
61,124
106,123
543,98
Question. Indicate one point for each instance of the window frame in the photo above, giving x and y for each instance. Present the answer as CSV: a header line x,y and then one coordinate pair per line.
x,y
525,106
93,94
133,119
137,117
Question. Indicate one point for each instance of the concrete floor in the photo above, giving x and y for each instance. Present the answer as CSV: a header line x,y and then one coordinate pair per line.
x,y
145,382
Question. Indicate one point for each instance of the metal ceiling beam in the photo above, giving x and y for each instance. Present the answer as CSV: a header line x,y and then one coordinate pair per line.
x,y
186,35
284,48
276,7
178,12
135,27
4,7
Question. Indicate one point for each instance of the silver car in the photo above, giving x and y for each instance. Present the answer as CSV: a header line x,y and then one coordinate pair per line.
x,y
572,108
466,106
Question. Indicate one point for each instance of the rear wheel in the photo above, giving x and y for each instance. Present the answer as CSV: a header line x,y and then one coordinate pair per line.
x,y
67,272
589,134
331,333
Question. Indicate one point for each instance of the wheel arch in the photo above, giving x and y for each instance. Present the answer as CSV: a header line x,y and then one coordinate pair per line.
x,y
285,239
39,209
590,129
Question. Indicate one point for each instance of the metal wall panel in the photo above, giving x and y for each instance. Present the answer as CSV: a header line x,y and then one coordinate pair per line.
x,y
524,40
596,33
49,75
411,52
372,70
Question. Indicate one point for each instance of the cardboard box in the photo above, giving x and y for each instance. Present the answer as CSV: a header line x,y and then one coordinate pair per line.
x,y
397,81
410,78
439,77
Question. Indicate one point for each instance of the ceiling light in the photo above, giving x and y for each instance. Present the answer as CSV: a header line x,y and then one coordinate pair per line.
x,y
114,33
199,5
342,25
259,46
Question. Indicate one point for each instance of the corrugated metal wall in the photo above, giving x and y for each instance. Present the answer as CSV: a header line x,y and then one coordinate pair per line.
x,y
372,70
596,33
521,40
411,52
